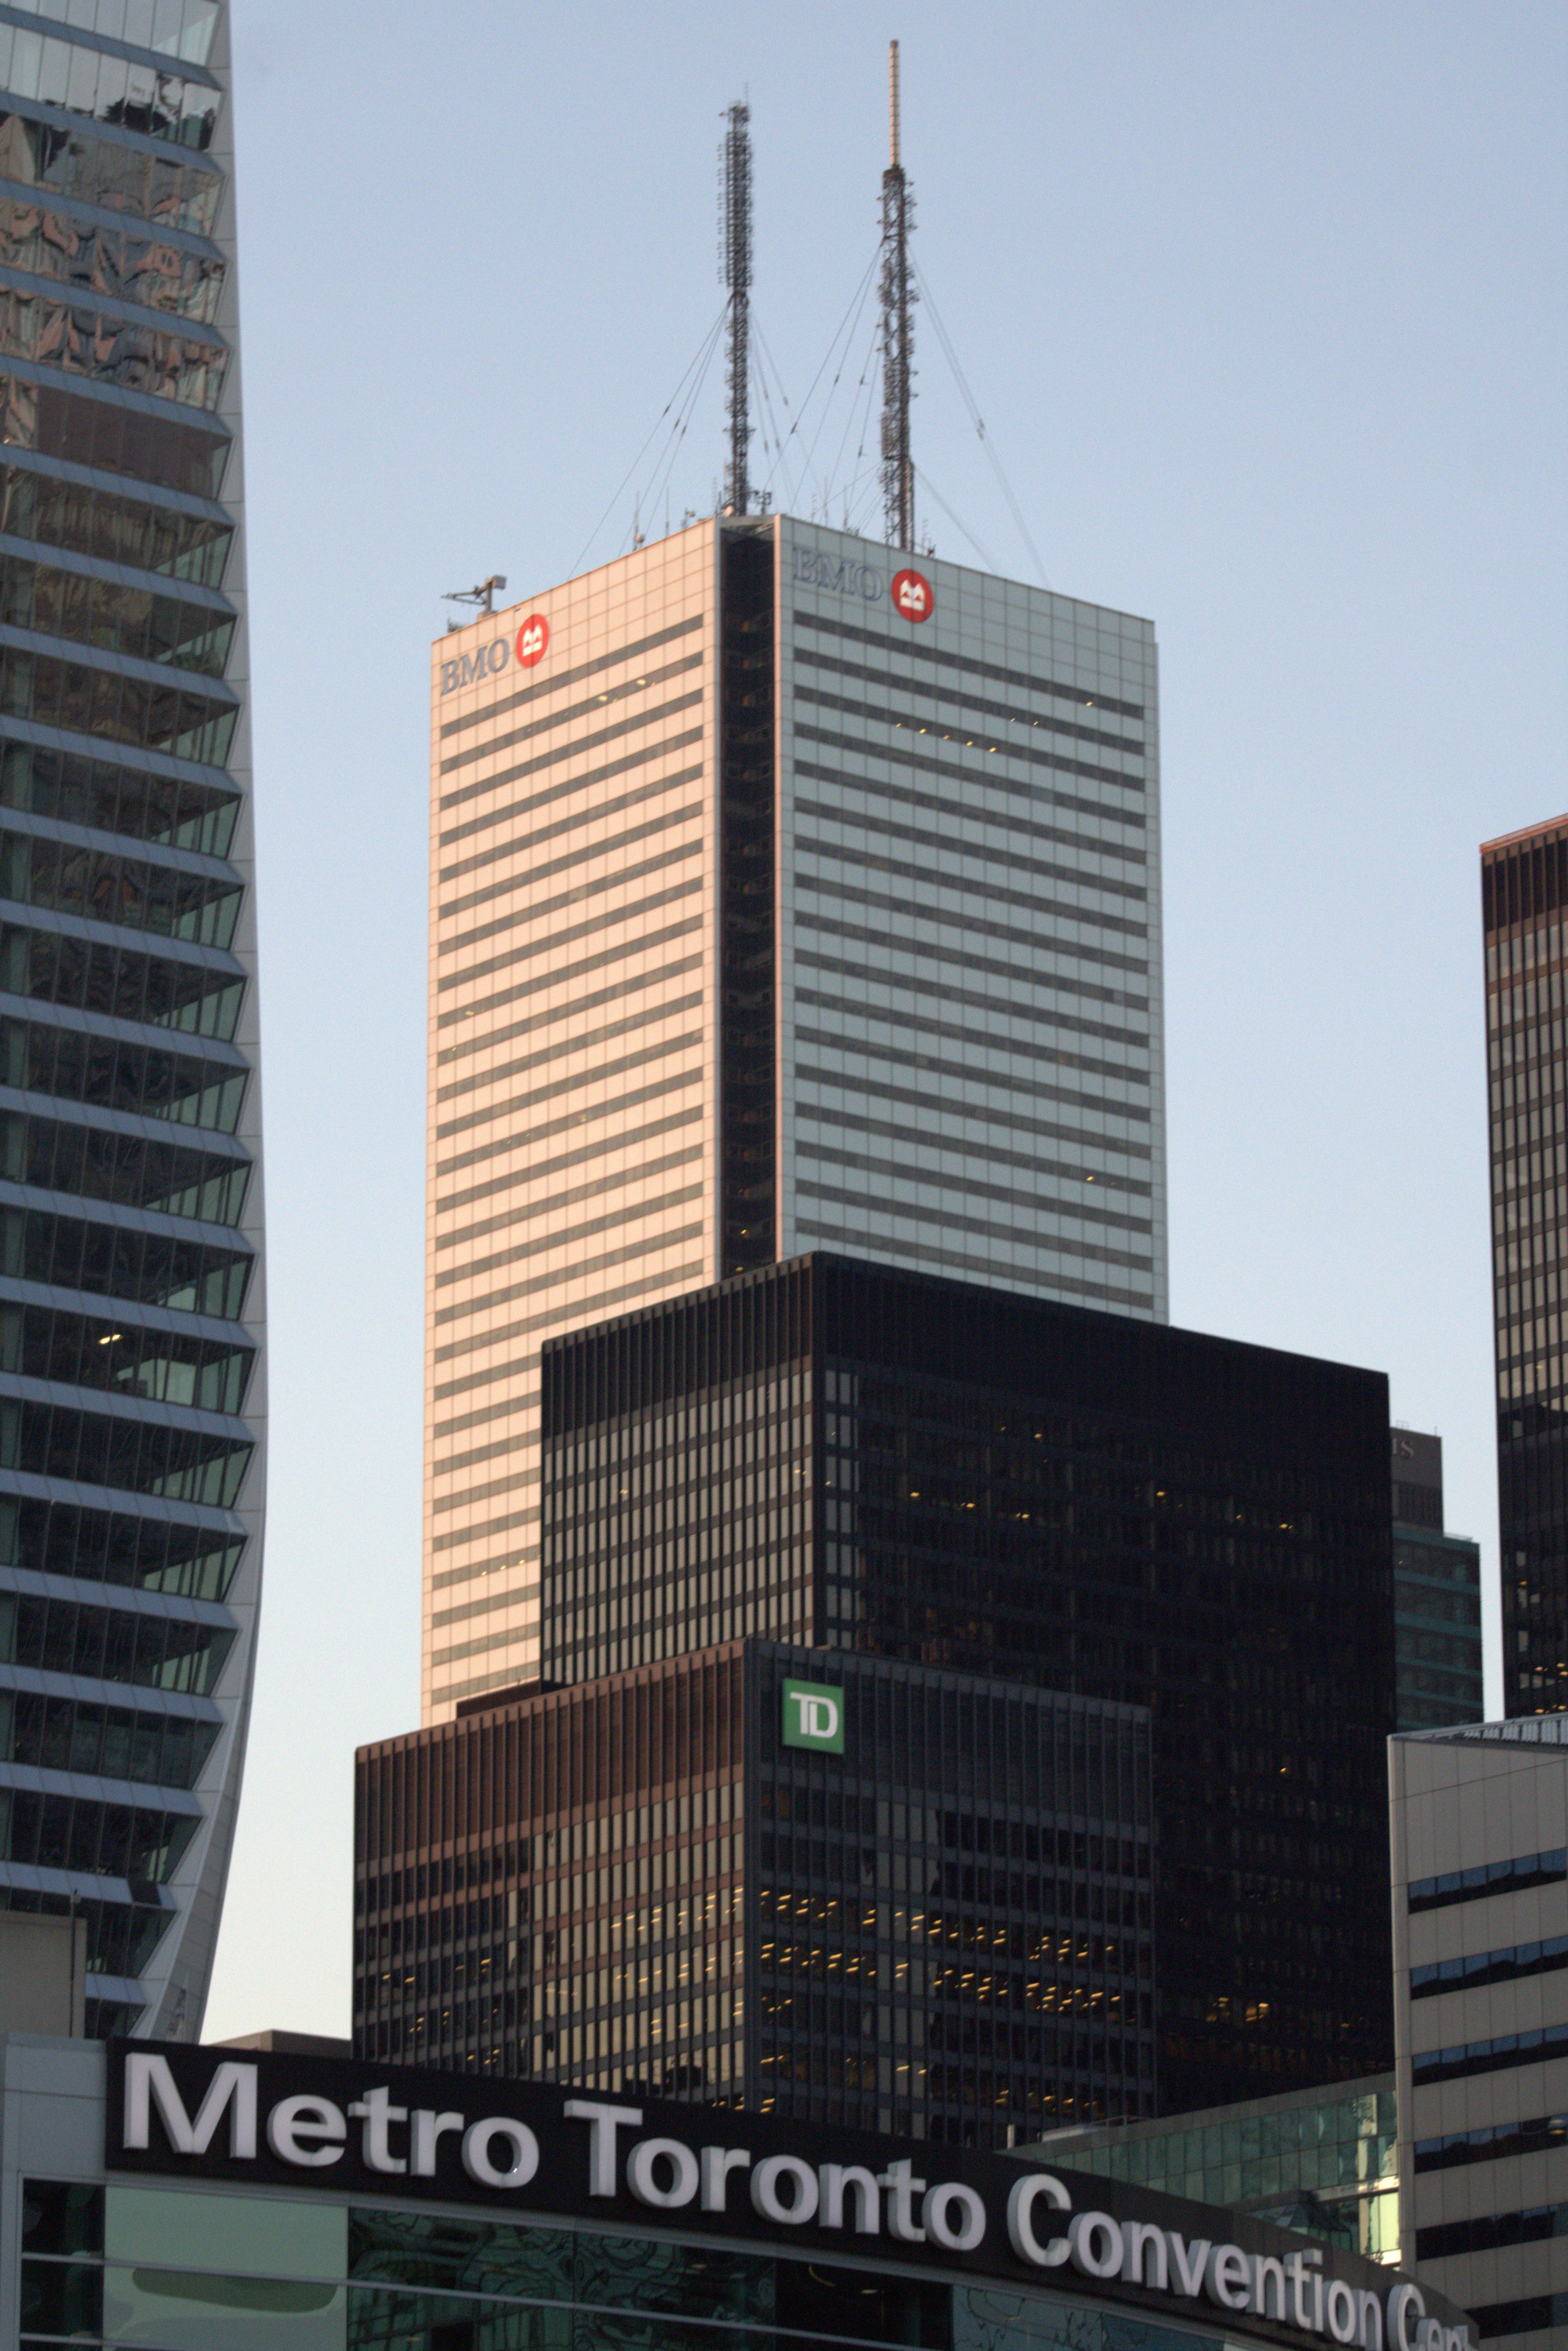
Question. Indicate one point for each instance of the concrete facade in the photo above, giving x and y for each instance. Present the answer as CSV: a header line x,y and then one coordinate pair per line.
x,y
1479,1849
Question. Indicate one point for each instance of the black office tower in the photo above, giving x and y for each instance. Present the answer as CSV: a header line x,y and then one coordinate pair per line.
x,y
841,1888
1524,891
847,1456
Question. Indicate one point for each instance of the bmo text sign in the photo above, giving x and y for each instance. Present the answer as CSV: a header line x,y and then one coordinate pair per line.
x,y
526,649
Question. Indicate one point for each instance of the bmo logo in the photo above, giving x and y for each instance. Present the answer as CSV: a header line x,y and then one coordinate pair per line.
x,y
912,596
533,639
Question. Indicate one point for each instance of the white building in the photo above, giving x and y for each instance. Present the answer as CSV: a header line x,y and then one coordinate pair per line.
x,y
785,893
1481,1975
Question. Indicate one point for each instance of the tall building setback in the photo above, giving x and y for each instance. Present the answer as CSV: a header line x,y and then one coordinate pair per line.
x,y
1480,1842
1524,895
1437,1596
132,1396
838,1887
859,1460
786,895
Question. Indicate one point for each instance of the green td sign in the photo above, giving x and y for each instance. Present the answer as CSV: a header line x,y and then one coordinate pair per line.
x,y
814,1717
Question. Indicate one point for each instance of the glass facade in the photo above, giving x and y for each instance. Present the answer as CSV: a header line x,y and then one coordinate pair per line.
x,y
896,1464
971,1059
120,2265
1326,2163
1524,900
945,1929
131,1391
1437,1596
1437,1629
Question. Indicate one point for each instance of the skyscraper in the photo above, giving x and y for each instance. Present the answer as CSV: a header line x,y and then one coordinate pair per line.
x,y
130,1299
861,1461
1524,893
931,1906
786,894
1436,1595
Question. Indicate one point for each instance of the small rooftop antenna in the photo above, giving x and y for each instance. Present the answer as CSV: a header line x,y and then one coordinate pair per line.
x,y
898,334
484,595
737,277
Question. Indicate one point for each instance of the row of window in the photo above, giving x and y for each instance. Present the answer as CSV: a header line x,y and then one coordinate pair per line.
x,y
97,1164
91,423
124,1262
113,526
112,617
160,103
173,719
85,339
1055,1222
569,1006
567,716
119,983
173,1367
170,191
121,1937
77,1065
1502,1966
1033,966
922,923
119,264
84,1833
956,698
149,1554
1499,2054
112,1644
1526,1869
938,659
580,1042
1490,2142
60,1734
678,706
136,801
141,1456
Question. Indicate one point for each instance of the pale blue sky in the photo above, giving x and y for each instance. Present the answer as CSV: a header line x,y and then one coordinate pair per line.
x,y
1263,306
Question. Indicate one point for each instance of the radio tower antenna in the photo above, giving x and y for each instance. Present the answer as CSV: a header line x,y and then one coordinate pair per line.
x,y
898,334
737,277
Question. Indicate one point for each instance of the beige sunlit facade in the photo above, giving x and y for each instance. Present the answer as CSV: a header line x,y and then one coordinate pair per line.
x,y
782,898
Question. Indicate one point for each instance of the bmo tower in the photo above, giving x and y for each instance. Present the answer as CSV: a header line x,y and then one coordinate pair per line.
x,y
785,894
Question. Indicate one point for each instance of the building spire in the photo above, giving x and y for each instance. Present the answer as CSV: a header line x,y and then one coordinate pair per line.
x,y
737,277
897,333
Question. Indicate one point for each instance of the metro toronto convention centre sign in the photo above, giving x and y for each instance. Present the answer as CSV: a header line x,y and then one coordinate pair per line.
x,y
535,2150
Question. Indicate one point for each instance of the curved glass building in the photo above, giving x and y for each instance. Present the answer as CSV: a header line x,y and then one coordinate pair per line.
x,y
130,1298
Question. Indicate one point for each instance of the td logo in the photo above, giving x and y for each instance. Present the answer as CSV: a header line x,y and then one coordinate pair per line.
x,y
913,596
814,1717
532,639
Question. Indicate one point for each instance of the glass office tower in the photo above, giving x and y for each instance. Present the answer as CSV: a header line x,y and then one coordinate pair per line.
x,y
940,1920
854,1458
1524,896
781,898
130,1304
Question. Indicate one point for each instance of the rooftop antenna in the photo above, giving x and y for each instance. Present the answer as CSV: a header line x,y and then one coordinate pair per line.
x,y
898,334
737,277
484,595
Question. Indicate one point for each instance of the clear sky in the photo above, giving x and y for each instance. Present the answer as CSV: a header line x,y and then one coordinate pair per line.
x,y
1263,306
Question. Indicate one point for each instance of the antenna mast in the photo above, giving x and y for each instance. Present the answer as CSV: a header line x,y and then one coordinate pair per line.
x,y
737,277
898,334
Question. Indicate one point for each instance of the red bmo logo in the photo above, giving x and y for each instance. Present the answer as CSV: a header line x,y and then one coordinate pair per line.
x,y
912,596
532,639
